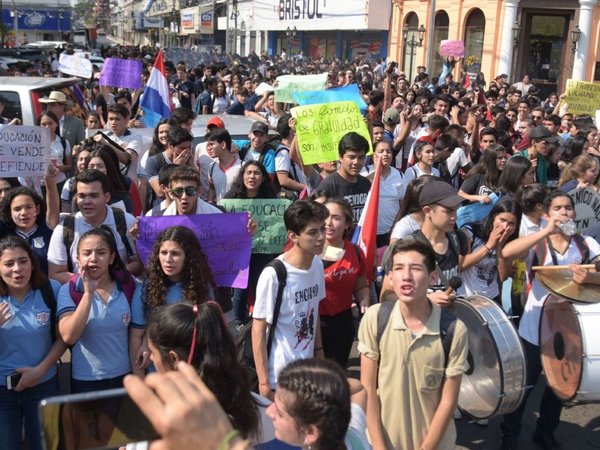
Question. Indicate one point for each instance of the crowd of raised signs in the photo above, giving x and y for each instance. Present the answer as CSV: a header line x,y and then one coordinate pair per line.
x,y
510,156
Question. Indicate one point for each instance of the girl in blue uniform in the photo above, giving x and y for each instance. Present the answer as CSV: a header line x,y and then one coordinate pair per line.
x,y
26,342
23,214
94,314
177,271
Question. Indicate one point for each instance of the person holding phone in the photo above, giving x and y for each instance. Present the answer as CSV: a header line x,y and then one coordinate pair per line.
x,y
29,350
94,314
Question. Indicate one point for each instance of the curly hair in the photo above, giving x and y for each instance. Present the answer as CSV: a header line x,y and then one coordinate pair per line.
x,y
5,205
238,189
197,277
171,328
319,396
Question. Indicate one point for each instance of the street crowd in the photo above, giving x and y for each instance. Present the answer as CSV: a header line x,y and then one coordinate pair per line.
x,y
71,277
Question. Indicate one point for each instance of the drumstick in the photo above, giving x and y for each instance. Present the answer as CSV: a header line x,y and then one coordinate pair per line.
x,y
454,283
595,266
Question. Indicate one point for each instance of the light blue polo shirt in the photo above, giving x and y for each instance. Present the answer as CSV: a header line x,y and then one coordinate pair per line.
x,y
102,351
26,338
138,317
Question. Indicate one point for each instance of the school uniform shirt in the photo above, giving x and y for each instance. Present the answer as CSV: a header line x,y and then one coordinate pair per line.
x,y
391,190
57,253
415,172
39,240
139,314
102,351
296,329
529,326
355,193
26,338
268,159
222,178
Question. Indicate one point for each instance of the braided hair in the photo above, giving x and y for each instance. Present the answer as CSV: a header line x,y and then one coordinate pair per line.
x,y
319,395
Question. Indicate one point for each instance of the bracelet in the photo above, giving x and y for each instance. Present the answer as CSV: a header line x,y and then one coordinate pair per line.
x,y
486,247
229,437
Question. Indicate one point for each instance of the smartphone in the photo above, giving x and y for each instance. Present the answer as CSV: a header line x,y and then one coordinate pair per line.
x,y
12,380
94,420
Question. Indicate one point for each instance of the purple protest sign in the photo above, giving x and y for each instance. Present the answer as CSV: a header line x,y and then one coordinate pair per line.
x,y
123,73
224,239
454,48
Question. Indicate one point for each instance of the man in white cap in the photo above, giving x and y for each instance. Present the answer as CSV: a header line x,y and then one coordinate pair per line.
x,y
71,128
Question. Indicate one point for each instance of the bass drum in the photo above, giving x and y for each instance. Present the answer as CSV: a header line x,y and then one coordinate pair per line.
x,y
494,382
571,349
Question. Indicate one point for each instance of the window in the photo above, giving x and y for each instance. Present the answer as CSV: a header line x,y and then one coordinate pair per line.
x,y
12,105
411,23
474,34
442,22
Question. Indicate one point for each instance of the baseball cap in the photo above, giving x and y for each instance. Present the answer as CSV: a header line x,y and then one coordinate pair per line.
x,y
542,133
441,193
391,116
215,122
260,126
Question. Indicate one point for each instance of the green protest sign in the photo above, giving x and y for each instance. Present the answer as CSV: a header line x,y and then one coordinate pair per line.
x,y
270,236
320,128
286,84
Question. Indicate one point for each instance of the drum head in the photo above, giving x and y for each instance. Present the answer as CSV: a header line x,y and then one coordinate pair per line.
x,y
481,385
561,346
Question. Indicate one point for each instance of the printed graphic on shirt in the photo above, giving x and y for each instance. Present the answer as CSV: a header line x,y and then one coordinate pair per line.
x,y
42,318
305,328
38,242
126,318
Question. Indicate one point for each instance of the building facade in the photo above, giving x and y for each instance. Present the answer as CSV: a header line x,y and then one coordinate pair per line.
x,y
549,40
34,20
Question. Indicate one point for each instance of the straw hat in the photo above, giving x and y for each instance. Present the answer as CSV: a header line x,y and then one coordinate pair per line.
x,y
56,97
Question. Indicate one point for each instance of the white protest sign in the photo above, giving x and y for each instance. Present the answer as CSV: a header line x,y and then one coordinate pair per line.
x,y
587,207
24,151
262,88
74,65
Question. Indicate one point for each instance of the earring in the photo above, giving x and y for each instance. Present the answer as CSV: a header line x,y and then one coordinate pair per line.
x,y
306,446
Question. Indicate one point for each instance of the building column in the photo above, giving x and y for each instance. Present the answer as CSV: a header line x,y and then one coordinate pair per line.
x,y
258,46
507,44
586,11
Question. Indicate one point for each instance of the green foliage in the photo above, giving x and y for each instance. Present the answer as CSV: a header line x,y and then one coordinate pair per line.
x,y
85,11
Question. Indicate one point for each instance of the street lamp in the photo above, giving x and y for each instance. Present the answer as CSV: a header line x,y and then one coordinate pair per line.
x,y
413,44
290,34
516,30
575,35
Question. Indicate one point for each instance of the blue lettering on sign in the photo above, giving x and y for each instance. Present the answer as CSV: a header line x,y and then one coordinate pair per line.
x,y
299,9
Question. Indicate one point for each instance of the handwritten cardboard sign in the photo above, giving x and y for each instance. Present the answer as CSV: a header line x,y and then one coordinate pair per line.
x,y
74,65
24,151
224,239
271,235
339,94
587,207
123,73
321,127
287,84
449,47
583,97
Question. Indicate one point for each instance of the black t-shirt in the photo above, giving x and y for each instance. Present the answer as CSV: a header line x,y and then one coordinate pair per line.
x,y
475,185
189,88
356,193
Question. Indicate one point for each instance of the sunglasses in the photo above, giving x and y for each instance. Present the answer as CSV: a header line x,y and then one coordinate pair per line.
x,y
190,191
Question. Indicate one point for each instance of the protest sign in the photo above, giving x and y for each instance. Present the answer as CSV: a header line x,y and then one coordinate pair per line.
x,y
123,73
74,65
287,84
24,151
341,94
320,128
224,238
587,207
582,97
262,88
449,47
271,235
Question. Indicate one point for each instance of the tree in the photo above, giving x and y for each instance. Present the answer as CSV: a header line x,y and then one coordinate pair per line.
x,y
84,12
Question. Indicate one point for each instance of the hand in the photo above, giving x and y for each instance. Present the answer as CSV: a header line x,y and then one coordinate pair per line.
x,y
252,225
553,226
134,230
484,198
292,124
142,358
414,116
495,236
442,299
454,112
583,185
181,409
75,149
580,275
182,158
98,138
364,305
265,390
30,377
5,314
52,170
89,285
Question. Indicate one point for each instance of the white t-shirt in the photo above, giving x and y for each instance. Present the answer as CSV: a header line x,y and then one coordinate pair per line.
x,y
57,253
455,161
131,142
391,190
482,277
405,227
203,162
283,163
415,172
530,320
59,153
222,178
202,207
298,317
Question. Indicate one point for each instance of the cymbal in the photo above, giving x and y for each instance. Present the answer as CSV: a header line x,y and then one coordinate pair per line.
x,y
562,284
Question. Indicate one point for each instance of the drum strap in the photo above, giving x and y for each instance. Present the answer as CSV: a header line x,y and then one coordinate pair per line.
x,y
447,325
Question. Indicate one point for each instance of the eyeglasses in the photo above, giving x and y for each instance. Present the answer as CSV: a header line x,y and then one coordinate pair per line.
x,y
190,191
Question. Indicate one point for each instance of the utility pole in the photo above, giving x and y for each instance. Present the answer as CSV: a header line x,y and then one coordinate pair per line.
x,y
16,26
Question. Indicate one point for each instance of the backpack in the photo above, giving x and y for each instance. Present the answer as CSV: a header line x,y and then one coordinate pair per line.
x,y
69,234
454,242
244,337
447,326
125,283
261,159
50,302
290,194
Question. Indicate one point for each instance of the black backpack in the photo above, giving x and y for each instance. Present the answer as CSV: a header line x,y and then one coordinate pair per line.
x,y
50,301
290,194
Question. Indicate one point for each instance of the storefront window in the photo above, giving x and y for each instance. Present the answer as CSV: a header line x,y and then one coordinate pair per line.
x,y
411,23
440,33
474,34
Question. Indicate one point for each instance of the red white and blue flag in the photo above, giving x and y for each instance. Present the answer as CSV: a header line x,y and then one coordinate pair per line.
x,y
156,99
365,234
